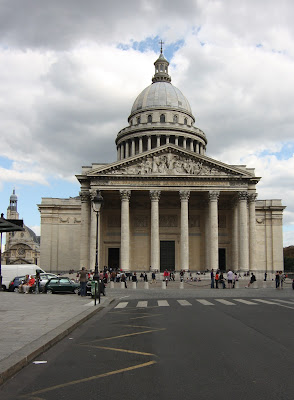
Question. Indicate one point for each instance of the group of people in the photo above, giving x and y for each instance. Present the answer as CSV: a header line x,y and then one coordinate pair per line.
x,y
279,279
30,283
218,278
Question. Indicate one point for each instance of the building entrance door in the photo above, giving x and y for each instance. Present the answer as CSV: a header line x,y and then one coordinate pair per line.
x,y
167,255
222,259
113,258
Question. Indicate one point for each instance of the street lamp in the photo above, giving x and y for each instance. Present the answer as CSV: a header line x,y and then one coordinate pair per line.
x,y
97,204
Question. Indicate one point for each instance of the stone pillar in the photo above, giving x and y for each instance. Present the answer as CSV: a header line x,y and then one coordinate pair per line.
x,y
155,243
149,143
213,223
184,143
243,232
85,231
118,153
167,139
127,149
133,147
140,145
93,225
197,147
191,145
125,230
252,232
157,140
176,141
122,151
235,236
184,196
207,238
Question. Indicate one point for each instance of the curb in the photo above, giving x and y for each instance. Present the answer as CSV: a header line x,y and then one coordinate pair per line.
x,y
14,363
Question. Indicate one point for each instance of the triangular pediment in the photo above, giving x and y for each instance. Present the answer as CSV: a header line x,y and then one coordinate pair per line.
x,y
171,160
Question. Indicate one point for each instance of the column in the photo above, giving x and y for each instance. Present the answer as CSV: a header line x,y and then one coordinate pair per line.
x,y
127,149
93,224
176,141
191,145
207,237
85,225
184,196
125,230
118,153
243,232
140,145
157,140
197,147
133,147
122,151
213,224
184,143
167,139
252,232
155,243
149,143
235,235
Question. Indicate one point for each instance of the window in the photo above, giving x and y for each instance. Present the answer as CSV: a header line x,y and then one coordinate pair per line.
x,y
149,118
162,118
185,121
161,68
138,120
175,118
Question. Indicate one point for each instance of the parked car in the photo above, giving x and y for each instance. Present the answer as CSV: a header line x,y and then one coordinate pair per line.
x,y
45,278
61,285
14,284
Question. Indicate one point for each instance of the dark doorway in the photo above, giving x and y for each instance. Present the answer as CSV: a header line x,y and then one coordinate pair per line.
x,y
222,259
113,258
167,255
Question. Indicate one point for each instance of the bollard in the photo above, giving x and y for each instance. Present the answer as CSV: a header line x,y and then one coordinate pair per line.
x,y
163,285
134,285
254,285
146,285
182,285
122,285
264,285
111,285
237,285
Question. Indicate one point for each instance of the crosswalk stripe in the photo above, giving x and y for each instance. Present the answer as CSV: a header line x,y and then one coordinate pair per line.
x,y
142,304
245,302
284,301
184,303
122,304
226,302
205,302
162,303
265,301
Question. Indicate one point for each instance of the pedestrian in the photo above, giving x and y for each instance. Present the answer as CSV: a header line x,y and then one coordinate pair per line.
x,y
83,277
153,276
282,278
222,280
230,277
265,276
123,279
277,279
252,279
38,279
165,276
134,278
216,279
182,275
212,279
145,277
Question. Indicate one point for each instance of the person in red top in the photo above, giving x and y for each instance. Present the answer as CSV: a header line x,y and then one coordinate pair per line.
x,y
216,279
30,284
165,276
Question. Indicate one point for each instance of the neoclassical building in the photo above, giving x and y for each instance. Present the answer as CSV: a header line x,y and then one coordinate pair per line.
x,y
166,203
21,247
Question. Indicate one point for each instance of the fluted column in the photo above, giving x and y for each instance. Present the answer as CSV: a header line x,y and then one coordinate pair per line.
x,y
122,153
155,243
213,222
133,147
207,237
197,147
167,139
93,228
127,149
235,235
184,143
157,140
149,143
252,232
125,229
140,144
243,232
191,145
176,141
118,153
85,225
184,196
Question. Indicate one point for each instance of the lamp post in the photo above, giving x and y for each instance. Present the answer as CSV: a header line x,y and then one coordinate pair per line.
x,y
97,204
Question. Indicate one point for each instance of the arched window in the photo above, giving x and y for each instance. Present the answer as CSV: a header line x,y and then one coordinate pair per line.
x,y
185,121
161,68
149,118
162,118
175,119
138,120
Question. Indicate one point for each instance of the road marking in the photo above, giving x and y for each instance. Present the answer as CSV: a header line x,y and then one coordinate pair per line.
x,y
226,302
142,304
122,350
122,304
184,303
205,302
266,302
250,303
284,301
162,303
130,334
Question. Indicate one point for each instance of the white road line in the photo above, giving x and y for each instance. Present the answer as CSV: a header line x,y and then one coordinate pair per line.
x,y
142,304
122,304
266,302
184,303
162,303
250,303
205,302
284,301
226,302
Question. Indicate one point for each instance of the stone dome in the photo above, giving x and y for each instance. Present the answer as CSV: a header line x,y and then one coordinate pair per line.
x,y
161,94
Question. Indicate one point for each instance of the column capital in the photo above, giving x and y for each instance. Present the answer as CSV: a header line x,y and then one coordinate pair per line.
x,y
84,196
242,195
154,195
92,193
184,194
252,197
125,195
213,195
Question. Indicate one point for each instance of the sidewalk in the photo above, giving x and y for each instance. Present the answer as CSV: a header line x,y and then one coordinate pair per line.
x,y
31,324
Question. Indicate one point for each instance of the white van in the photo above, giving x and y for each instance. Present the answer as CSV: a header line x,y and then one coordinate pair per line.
x,y
9,272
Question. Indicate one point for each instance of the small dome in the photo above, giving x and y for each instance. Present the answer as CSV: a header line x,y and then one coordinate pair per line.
x,y
13,197
161,94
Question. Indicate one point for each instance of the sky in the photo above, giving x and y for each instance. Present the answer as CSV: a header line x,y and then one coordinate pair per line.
x,y
70,71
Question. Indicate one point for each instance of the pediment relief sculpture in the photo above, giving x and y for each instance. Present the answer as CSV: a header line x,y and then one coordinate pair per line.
x,y
171,164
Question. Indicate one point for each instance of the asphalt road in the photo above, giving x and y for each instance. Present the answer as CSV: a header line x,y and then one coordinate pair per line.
x,y
170,350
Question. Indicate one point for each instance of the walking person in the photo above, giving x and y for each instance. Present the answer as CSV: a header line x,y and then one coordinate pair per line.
x,y
216,279
230,277
123,279
277,279
212,279
134,278
83,277
153,275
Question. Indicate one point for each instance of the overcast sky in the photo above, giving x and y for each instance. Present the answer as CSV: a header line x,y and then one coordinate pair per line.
x,y
71,70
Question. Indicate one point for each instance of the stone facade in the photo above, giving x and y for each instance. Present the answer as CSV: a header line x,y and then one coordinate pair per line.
x,y
166,203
